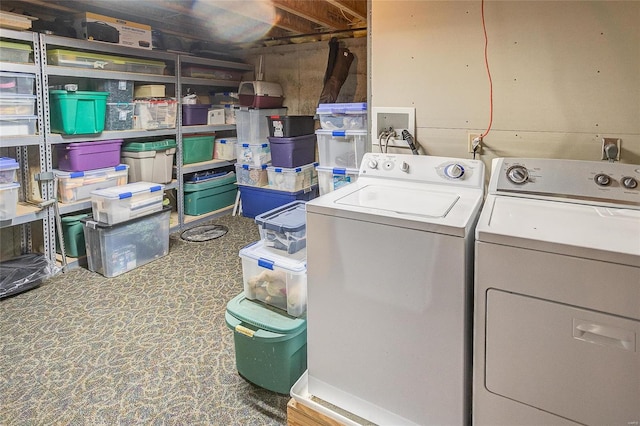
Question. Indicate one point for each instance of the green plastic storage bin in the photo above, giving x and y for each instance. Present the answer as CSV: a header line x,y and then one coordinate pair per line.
x,y
271,346
77,113
210,195
197,148
73,235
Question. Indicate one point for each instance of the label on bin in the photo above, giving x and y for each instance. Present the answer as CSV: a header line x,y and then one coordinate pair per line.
x,y
244,330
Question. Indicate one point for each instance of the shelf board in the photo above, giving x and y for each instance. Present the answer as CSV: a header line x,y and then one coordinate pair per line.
x,y
56,138
109,75
188,130
16,35
25,213
189,59
65,208
18,67
20,140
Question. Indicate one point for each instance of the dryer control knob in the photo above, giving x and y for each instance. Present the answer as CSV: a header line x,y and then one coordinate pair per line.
x,y
373,164
454,171
518,174
629,182
602,179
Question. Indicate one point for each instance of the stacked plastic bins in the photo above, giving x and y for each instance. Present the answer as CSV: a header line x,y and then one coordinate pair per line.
x,y
290,175
342,141
9,188
269,318
152,109
129,228
17,100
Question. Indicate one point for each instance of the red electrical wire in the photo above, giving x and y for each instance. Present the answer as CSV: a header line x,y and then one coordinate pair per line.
x,y
486,63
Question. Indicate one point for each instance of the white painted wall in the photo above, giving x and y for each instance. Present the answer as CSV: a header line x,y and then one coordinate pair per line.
x,y
565,74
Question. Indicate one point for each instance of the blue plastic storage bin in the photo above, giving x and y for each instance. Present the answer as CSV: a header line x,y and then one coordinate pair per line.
x,y
257,200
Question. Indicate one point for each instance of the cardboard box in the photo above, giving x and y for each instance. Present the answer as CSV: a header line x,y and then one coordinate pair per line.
x,y
92,26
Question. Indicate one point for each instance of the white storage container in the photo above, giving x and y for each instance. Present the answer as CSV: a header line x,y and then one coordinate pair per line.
x,y
9,200
225,148
150,91
252,124
252,175
338,148
333,178
215,116
229,114
275,279
149,161
121,203
292,180
343,116
76,186
253,154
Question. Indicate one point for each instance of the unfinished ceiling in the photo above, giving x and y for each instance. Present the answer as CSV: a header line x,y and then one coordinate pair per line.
x,y
229,23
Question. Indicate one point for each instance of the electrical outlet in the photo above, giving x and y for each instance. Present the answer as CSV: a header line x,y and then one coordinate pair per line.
x,y
606,143
472,137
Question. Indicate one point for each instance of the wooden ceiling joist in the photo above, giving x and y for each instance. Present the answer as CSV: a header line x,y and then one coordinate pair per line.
x,y
356,8
322,13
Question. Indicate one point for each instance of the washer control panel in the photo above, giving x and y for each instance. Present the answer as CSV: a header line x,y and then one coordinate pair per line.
x,y
570,179
423,168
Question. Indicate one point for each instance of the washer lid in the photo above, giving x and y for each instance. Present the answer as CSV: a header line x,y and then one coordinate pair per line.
x,y
594,232
403,201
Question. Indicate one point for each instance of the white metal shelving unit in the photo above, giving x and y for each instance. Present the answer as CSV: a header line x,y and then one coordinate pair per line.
x,y
28,214
45,141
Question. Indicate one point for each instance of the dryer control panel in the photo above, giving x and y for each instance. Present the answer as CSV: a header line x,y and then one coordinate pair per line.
x,y
423,168
573,180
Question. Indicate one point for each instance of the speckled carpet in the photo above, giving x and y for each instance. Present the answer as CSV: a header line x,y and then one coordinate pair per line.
x,y
148,347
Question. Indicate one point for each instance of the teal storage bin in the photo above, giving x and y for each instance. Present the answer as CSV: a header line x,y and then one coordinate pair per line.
x,y
77,113
197,148
271,346
210,194
73,235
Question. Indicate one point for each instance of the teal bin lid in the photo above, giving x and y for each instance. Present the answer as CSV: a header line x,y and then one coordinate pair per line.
x,y
162,145
214,182
80,94
74,218
264,317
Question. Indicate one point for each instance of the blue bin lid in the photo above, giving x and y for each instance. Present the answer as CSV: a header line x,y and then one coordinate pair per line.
x,y
290,217
264,317
8,163
342,108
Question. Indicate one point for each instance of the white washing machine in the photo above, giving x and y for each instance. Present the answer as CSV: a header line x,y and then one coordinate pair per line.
x,y
389,273
557,295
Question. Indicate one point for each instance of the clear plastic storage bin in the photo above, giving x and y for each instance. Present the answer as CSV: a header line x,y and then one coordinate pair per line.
x,y
17,83
151,114
15,125
252,175
15,52
275,279
76,59
341,148
122,203
9,200
225,149
292,179
253,154
115,249
330,179
76,186
252,125
8,170
284,228
17,104
343,116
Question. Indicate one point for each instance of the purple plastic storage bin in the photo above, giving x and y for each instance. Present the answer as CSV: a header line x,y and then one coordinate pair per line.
x,y
83,156
293,152
194,114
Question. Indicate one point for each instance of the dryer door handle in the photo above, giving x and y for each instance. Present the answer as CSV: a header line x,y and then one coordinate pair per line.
x,y
602,334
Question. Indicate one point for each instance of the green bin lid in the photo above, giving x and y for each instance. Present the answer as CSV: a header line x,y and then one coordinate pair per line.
x,y
162,145
73,218
264,317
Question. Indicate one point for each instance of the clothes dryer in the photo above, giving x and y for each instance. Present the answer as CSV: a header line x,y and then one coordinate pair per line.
x,y
557,295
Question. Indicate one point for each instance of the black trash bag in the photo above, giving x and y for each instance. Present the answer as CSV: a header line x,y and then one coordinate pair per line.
x,y
24,273
338,76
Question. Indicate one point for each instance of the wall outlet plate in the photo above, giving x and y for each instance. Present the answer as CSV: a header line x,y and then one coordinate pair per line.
x,y
470,138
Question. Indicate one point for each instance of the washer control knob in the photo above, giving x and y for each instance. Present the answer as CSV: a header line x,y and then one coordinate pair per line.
x,y
454,171
404,167
629,182
518,174
602,179
373,163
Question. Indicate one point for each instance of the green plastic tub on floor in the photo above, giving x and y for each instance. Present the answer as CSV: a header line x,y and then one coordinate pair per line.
x,y
197,148
73,235
271,346
210,195
77,113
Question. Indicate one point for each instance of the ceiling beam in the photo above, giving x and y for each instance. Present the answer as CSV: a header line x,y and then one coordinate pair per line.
x,y
357,8
320,12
